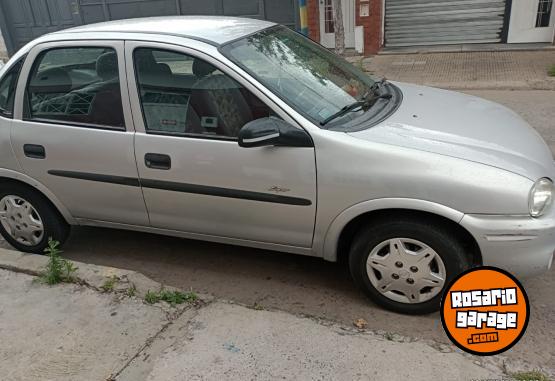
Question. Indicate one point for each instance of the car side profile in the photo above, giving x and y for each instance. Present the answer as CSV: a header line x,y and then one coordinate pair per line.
x,y
244,132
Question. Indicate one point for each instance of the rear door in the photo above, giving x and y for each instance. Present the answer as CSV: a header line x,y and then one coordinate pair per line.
x,y
195,177
73,131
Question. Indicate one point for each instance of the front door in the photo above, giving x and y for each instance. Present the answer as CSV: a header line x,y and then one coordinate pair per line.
x,y
195,177
72,129
531,21
327,27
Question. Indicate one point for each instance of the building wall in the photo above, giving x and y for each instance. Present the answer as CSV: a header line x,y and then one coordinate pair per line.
x,y
313,20
372,23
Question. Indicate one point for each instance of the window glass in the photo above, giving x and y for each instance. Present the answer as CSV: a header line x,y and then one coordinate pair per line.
x,y
313,80
544,13
78,86
184,95
7,90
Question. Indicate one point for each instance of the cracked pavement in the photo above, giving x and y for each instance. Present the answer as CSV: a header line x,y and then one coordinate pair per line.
x,y
50,333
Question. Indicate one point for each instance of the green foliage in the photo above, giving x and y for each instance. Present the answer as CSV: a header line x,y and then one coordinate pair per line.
x,y
534,375
131,291
152,297
57,269
171,297
109,285
551,71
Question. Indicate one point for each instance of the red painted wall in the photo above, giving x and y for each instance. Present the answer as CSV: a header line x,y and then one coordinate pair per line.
x,y
372,24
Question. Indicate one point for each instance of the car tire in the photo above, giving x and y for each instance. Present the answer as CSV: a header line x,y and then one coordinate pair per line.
x,y
29,210
388,261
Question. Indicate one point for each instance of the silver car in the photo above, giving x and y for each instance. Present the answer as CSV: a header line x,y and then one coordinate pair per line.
x,y
244,132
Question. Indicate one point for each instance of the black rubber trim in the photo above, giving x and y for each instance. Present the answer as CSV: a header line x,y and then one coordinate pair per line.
x,y
121,180
184,188
224,192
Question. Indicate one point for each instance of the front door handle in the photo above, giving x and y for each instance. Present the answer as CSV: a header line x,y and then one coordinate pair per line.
x,y
34,151
158,161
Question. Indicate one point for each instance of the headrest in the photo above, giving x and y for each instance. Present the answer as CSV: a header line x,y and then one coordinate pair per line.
x,y
107,66
202,68
52,80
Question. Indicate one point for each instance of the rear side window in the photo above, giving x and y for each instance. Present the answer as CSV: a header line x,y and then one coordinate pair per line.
x,y
7,90
76,86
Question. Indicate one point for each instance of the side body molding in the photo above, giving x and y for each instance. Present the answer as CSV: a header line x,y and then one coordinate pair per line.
x,y
334,231
10,174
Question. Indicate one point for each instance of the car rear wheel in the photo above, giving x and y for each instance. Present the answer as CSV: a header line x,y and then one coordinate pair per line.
x,y
405,264
28,220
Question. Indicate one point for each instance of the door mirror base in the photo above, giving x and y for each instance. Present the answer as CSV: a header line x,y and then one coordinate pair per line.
x,y
273,132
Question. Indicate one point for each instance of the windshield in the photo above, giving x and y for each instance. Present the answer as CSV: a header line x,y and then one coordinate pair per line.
x,y
311,79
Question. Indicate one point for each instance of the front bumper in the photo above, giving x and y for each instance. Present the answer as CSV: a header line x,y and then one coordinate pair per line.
x,y
522,245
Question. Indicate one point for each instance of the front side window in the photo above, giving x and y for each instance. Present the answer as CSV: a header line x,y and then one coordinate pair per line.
x,y
314,81
77,86
184,95
7,90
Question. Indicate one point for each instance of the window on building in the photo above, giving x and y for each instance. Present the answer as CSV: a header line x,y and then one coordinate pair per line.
x,y
544,13
329,25
77,86
183,95
7,90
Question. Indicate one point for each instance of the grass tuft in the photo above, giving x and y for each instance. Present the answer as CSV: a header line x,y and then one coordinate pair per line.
x,y
551,71
171,297
109,285
535,375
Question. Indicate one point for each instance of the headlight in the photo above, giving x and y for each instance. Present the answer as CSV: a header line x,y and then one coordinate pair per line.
x,y
541,196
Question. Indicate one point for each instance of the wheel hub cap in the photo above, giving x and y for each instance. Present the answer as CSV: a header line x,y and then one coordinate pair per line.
x,y
406,270
21,220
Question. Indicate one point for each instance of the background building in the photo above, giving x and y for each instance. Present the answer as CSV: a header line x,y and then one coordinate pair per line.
x,y
370,25
373,24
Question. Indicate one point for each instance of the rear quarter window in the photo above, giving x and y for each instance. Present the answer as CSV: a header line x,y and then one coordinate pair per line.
x,y
8,84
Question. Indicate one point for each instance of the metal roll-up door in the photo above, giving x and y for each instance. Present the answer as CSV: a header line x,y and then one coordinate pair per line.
x,y
434,22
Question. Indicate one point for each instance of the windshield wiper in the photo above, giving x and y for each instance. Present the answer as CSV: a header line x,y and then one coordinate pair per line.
x,y
366,101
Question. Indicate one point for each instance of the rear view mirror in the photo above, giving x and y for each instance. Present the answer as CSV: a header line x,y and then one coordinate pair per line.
x,y
273,132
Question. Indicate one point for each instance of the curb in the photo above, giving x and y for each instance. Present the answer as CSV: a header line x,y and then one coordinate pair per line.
x,y
92,276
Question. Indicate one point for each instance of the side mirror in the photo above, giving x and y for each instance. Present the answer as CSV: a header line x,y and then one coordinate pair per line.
x,y
273,132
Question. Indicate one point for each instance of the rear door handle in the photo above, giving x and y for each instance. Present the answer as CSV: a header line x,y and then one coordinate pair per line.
x,y
158,161
34,151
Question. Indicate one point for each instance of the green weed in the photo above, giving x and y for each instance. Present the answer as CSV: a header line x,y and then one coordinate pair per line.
x,y
57,269
171,297
535,375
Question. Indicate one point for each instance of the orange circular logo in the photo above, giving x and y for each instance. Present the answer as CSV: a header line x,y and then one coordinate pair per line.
x,y
485,311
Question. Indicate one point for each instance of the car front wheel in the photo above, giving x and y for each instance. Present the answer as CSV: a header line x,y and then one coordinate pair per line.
x,y
404,264
28,220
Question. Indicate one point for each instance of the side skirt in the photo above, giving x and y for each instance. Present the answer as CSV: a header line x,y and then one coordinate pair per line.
x,y
202,237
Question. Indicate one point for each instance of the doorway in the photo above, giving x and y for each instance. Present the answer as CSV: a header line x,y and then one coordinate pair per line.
x,y
327,27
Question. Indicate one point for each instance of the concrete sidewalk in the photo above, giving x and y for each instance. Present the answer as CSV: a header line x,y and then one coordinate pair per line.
x,y
523,70
76,332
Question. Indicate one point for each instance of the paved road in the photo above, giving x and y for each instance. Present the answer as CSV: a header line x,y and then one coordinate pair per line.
x,y
308,285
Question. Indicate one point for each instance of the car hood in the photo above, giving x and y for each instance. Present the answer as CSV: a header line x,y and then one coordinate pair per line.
x,y
465,127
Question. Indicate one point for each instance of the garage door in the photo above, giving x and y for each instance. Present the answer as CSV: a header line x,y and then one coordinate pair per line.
x,y
434,22
23,20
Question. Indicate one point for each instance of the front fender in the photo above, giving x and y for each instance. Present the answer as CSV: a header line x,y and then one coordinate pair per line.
x,y
10,174
336,227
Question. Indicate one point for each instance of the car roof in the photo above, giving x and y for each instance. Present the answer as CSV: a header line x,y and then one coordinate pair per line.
x,y
216,30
